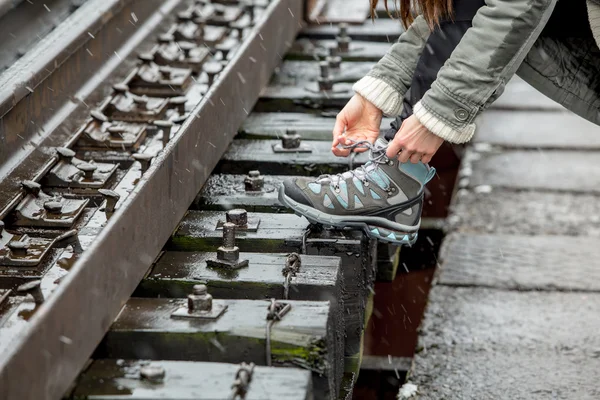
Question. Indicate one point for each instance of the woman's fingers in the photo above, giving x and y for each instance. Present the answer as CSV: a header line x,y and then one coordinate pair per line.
x,y
394,147
416,157
405,155
426,158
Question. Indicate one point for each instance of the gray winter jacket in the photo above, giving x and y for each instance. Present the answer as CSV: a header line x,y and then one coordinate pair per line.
x,y
504,39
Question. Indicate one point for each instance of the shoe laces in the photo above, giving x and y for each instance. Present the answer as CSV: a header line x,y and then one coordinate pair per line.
x,y
377,157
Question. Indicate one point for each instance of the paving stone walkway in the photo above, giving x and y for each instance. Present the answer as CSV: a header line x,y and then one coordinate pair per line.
x,y
514,312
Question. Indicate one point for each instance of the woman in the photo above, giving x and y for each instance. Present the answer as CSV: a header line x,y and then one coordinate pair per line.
x,y
452,62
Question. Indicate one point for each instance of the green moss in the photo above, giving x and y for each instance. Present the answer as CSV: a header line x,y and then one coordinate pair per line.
x,y
312,357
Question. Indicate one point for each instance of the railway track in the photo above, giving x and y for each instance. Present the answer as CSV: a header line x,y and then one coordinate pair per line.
x,y
112,125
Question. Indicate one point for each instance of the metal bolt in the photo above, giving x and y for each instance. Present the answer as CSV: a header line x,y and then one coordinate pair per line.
x,y
34,289
248,8
146,58
152,373
238,217
228,251
140,101
53,207
18,248
111,198
325,81
291,140
165,127
229,235
343,40
179,103
116,132
212,68
143,159
200,299
65,154
254,182
324,66
239,27
88,170
166,38
98,115
32,187
187,47
219,10
334,60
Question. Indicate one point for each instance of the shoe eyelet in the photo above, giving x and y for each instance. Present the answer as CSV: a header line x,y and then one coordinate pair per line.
x,y
366,183
391,163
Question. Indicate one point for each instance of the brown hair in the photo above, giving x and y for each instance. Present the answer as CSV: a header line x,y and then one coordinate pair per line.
x,y
432,10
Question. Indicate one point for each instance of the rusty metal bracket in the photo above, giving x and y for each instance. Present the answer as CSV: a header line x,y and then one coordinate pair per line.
x,y
99,133
151,79
77,174
125,106
38,209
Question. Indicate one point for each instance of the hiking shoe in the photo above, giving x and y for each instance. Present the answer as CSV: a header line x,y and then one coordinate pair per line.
x,y
383,197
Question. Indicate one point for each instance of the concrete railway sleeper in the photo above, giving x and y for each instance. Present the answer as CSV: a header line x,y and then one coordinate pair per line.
x,y
250,297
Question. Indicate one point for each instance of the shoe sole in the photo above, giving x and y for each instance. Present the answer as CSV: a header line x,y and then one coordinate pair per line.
x,y
378,228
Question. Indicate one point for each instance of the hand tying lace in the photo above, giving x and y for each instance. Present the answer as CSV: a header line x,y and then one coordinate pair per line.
x,y
376,157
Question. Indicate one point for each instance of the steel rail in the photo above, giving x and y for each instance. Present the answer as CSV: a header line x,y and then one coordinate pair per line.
x,y
44,361
50,83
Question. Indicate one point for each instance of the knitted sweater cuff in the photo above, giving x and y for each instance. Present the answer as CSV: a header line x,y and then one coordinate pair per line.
x,y
440,128
381,94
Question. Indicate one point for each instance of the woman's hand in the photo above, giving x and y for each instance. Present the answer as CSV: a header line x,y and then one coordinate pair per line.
x,y
414,142
359,120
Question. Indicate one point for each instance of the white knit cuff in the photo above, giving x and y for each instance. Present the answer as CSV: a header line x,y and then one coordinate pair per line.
x,y
381,94
440,128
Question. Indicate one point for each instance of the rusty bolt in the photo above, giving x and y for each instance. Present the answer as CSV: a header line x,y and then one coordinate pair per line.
x,y
165,127
32,187
200,299
87,169
152,373
228,251
65,154
146,58
248,8
140,101
111,198
324,66
116,132
254,182
219,10
53,207
334,60
143,159
343,40
166,38
212,68
238,217
291,140
34,289
179,103
98,115
187,47
18,248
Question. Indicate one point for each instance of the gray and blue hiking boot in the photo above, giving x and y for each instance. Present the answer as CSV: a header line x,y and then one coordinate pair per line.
x,y
382,197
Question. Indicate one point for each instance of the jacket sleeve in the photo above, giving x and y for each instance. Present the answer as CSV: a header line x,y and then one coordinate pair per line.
x,y
388,81
488,55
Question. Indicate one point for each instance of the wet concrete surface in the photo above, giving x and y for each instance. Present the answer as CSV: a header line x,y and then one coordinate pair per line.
x,y
491,344
528,213
539,170
519,262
